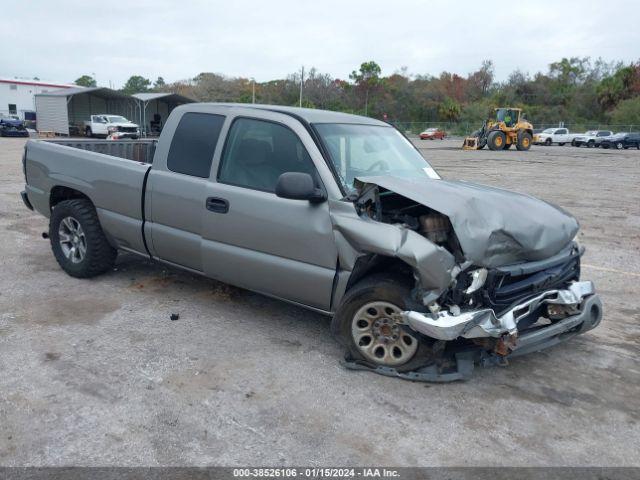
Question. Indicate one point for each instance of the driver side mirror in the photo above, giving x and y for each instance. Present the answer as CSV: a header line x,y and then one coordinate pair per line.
x,y
299,186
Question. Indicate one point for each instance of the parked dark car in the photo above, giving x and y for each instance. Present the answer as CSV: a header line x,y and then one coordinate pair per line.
x,y
620,142
12,126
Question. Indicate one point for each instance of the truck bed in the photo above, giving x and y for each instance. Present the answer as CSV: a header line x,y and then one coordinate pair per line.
x,y
110,173
137,150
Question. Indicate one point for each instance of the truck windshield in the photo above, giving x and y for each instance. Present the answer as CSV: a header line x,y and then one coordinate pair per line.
x,y
363,150
117,119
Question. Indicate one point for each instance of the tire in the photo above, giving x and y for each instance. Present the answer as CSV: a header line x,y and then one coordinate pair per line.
x,y
619,145
591,144
574,144
353,323
524,141
78,221
496,140
88,132
547,142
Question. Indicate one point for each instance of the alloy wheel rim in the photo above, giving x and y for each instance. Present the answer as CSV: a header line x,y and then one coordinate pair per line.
x,y
379,338
73,241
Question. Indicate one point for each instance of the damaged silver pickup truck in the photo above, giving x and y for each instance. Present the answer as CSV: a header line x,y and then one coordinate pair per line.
x,y
424,277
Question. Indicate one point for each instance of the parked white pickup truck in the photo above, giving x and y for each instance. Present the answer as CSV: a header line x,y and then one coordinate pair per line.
x,y
555,135
113,126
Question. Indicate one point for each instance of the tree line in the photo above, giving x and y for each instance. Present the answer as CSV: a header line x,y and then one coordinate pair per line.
x,y
573,90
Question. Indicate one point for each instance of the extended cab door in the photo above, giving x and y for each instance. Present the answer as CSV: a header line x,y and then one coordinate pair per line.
x,y
177,187
251,237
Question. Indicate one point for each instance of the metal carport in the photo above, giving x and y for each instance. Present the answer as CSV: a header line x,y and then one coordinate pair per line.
x,y
158,105
64,111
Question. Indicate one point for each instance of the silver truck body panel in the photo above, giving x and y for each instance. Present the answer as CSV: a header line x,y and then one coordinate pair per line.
x,y
113,184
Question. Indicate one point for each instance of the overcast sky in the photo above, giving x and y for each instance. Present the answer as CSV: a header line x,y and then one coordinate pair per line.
x,y
61,40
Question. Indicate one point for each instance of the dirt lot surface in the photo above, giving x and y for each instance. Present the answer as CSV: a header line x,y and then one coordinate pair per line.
x,y
93,372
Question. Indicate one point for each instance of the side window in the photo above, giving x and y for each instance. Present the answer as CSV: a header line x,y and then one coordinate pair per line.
x,y
258,152
562,131
193,144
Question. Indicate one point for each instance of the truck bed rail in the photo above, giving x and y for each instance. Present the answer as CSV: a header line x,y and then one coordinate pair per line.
x,y
136,150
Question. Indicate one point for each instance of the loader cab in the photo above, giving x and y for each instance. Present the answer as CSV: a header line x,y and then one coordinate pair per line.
x,y
510,116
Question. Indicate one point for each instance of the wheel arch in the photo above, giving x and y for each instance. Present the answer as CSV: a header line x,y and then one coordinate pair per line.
x,y
370,264
60,193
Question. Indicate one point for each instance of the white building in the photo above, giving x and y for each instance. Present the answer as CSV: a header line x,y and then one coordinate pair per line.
x,y
17,96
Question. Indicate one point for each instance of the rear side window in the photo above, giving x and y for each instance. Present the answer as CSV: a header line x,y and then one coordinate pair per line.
x,y
193,144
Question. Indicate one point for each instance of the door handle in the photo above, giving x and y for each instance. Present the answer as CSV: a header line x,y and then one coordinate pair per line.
x,y
218,205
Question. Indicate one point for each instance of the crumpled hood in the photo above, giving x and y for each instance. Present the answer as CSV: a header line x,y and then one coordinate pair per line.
x,y
495,227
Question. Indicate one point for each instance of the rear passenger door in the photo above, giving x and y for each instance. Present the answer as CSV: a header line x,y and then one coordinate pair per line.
x,y
255,239
177,187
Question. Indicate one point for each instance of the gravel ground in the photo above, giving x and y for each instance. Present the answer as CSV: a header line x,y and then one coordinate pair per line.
x,y
93,372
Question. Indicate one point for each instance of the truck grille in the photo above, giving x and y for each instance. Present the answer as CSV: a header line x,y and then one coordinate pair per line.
x,y
127,129
505,288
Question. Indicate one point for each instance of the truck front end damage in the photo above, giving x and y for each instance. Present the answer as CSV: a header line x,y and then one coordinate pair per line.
x,y
497,274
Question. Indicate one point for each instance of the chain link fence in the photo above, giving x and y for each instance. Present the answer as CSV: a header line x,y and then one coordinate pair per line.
x,y
463,129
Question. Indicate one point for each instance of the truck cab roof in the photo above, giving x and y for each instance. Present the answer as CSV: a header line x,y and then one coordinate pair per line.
x,y
309,115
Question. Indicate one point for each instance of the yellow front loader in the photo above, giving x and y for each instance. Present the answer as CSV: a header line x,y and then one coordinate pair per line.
x,y
509,127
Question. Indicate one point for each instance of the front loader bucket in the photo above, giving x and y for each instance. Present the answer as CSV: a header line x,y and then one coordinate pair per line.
x,y
470,143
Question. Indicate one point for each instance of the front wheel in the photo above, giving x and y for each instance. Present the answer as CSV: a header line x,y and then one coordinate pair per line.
x,y
365,325
524,141
496,140
548,142
77,240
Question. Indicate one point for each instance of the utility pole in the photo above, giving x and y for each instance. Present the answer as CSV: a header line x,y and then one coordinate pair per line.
x,y
253,97
301,82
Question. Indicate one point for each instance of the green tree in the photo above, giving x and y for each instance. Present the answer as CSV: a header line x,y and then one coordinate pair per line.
x,y
159,83
627,112
367,78
86,81
449,110
136,84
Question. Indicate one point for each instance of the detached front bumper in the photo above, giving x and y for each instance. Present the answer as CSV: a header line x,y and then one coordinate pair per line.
x,y
485,323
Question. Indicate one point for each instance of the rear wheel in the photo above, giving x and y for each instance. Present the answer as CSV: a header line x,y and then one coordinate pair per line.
x,y
77,240
496,140
524,141
364,324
